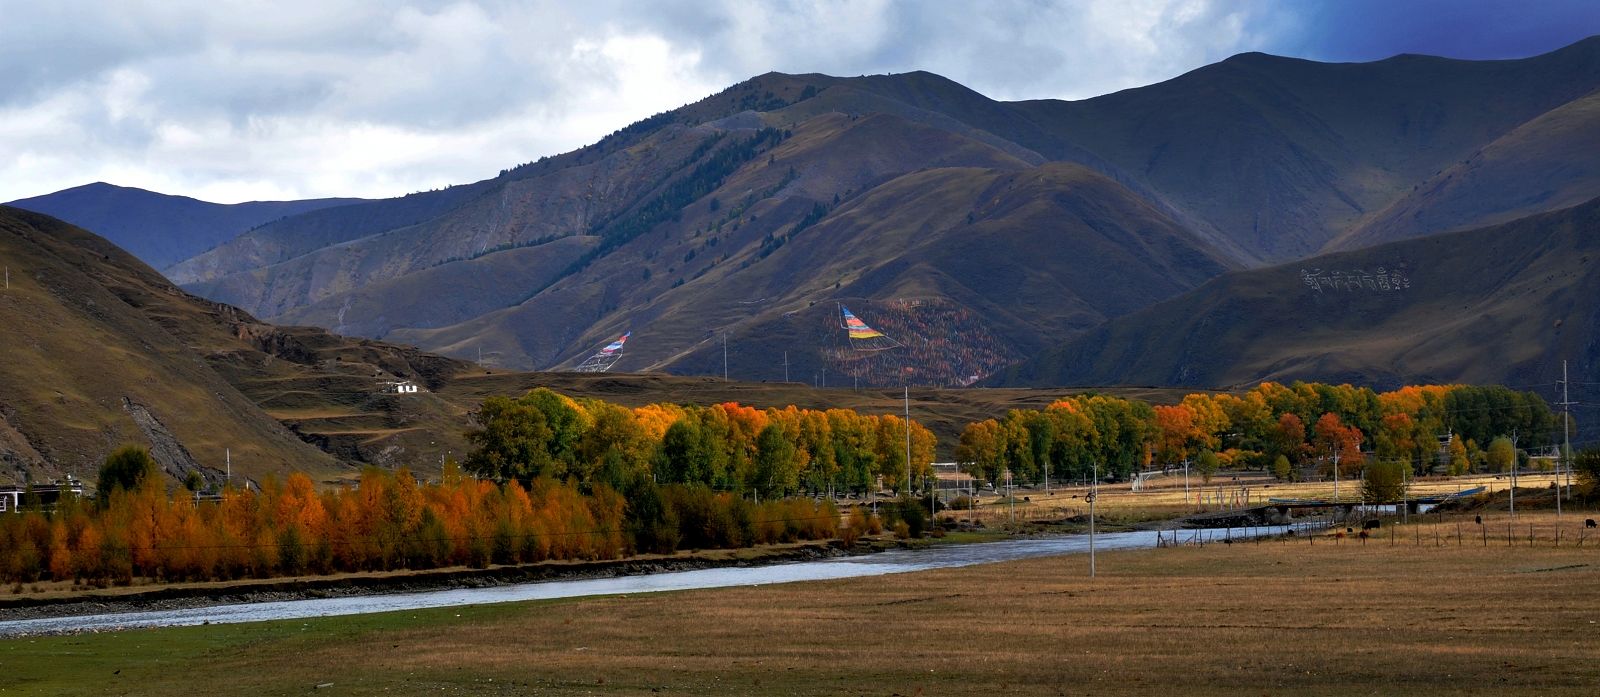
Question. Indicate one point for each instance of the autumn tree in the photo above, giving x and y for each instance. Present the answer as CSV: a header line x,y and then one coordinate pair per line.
x,y
1341,443
981,450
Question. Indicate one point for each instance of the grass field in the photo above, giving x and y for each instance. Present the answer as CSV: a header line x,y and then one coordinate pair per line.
x,y
1419,615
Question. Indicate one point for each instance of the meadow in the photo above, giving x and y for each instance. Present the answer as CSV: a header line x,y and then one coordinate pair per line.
x,y
1416,615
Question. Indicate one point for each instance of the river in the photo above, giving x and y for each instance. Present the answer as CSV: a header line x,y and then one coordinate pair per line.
x,y
889,562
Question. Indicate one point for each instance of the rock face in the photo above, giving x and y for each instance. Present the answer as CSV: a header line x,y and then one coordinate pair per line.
x,y
167,450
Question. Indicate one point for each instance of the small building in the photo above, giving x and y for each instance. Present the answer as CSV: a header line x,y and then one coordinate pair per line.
x,y
402,387
12,496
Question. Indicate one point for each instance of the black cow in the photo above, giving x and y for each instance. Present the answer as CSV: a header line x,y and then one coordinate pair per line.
x,y
1477,519
1588,522
1373,524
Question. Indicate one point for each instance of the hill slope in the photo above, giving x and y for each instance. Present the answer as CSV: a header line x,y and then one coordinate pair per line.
x,y
86,372
1502,304
160,229
1547,163
104,351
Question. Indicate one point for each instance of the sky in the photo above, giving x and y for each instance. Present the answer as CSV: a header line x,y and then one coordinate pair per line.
x,y
234,100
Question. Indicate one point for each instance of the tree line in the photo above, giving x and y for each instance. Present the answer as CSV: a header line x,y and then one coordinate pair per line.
x,y
763,454
549,478
1285,429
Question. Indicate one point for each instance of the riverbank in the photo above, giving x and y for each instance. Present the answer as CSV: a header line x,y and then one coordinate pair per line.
x,y
62,600
65,602
1283,617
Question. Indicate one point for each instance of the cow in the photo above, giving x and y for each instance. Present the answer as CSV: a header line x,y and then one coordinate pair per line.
x,y
1588,522
1477,519
1373,524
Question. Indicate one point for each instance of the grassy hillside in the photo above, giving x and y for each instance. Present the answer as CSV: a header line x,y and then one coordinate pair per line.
x,y
160,229
1023,251
84,363
1502,304
1543,164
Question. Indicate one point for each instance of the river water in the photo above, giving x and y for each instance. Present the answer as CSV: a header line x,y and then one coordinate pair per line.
x,y
889,562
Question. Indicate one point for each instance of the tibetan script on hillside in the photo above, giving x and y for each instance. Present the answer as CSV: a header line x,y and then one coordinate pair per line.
x,y
1381,279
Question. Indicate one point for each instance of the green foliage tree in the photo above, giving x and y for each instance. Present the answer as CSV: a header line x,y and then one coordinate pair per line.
x,y
128,468
775,470
681,459
1207,465
1384,481
1281,468
513,442
1502,454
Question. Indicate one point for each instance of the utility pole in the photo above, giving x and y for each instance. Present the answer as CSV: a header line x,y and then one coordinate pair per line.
x,y
227,453
1566,439
1186,480
1336,472
908,439
724,356
1405,495
1094,490
785,366
1513,473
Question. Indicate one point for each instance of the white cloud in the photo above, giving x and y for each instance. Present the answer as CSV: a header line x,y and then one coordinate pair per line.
x,y
298,98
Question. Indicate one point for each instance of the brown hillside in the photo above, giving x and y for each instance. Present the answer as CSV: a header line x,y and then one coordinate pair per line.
x,y
1503,304
90,366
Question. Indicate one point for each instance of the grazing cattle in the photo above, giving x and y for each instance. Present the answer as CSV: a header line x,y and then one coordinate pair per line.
x,y
1477,519
1588,522
1373,524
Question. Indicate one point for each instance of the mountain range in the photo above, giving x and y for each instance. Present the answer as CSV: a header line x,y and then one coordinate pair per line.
x,y
1126,238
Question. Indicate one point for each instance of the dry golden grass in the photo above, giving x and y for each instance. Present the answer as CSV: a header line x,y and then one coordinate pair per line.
x,y
1270,618
1164,497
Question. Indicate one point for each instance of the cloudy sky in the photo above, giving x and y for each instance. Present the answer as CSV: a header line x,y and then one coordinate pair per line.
x,y
234,100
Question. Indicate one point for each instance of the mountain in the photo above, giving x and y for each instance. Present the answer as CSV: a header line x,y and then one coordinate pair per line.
x,y
753,214
951,235
160,229
1500,304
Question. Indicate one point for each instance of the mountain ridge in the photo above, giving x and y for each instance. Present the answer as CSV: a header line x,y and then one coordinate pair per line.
x,y
163,229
